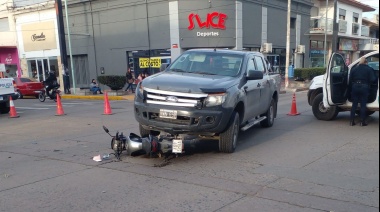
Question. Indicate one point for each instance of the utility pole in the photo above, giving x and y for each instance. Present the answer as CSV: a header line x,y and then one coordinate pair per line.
x,y
335,28
288,45
62,42
71,54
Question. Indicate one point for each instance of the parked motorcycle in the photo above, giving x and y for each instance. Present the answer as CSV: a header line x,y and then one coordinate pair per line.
x,y
53,94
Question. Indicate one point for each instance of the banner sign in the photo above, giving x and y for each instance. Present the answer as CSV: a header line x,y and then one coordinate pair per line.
x,y
150,62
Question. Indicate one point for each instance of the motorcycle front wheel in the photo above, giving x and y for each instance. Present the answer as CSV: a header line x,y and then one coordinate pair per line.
x,y
41,97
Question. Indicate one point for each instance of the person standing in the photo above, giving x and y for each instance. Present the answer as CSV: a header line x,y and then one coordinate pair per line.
x,y
130,80
361,78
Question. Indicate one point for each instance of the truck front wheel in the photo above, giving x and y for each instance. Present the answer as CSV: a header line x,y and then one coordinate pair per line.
x,y
228,139
322,113
146,133
4,109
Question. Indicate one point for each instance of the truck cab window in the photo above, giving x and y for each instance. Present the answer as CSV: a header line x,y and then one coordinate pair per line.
x,y
260,64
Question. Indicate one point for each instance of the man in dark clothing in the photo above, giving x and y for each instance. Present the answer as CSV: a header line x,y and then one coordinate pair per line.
x,y
361,78
50,82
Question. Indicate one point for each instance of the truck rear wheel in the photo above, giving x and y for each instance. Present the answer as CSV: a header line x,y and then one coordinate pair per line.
x,y
146,133
228,139
270,115
322,113
4,109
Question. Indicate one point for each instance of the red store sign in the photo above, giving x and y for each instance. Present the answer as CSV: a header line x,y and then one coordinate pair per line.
x,y
214,20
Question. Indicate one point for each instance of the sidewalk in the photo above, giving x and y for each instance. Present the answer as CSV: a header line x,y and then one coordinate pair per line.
x,y
294,86
130,97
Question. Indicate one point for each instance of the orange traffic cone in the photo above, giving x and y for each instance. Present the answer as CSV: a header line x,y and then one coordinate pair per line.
x,y
12,112
107,106
293,110
60,111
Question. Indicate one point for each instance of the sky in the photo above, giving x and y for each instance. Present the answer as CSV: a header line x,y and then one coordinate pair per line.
x,y
372,3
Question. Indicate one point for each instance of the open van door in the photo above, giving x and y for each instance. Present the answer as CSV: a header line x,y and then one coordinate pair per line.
x,y
336,80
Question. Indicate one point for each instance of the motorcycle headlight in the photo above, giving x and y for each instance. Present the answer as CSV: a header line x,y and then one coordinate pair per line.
x,y
215,99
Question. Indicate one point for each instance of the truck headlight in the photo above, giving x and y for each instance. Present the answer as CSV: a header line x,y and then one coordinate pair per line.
x,y
215,99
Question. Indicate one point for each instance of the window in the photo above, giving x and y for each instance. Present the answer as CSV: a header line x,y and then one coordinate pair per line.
x,y
355,18
251,65
293,22
342,14
260,64
4,25
317,44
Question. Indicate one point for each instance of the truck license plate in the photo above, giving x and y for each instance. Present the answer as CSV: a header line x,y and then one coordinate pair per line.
x,y
168,114
177,146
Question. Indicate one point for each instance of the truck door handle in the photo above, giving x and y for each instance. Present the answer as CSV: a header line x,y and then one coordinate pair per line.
x,y
258,85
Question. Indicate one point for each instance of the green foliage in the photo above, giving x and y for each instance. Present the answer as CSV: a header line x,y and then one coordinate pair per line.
x,y
114,82
309,73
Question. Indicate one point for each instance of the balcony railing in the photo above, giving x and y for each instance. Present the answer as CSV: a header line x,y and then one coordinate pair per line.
x,y
355,28
342,26
365,31
318,25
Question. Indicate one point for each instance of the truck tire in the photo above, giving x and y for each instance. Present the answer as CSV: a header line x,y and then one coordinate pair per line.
x,y
145,133
228,139
322,113
270,115
369,113
4,109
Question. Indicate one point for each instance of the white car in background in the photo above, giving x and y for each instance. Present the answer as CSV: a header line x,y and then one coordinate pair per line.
x,y
327,93
7,90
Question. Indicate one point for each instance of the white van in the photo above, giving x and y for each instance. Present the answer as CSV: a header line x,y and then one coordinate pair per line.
x,y
6,90
327,93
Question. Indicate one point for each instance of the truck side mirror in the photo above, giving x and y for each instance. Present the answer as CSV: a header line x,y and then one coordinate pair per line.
x,y
255,75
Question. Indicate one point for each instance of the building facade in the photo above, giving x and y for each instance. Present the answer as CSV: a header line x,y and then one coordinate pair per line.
x,y
352,33
107,36
9,57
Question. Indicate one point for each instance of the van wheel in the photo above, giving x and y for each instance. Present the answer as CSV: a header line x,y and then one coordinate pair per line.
x,y
322,113
229,138
4,109
270,115
145,133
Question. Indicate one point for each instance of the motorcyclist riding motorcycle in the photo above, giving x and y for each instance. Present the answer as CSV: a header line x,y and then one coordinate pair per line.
x,y
50,83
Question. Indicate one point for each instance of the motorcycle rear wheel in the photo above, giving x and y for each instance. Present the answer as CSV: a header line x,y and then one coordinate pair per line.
x,y
41,97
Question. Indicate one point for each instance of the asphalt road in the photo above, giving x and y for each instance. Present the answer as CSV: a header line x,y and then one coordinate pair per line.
x,y
300,164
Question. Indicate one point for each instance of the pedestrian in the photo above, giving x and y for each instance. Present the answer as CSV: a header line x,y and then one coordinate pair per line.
x,y
130,80
94,87
361,78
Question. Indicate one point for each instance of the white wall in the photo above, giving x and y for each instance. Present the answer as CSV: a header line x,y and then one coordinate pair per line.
x,y
35,17
350,10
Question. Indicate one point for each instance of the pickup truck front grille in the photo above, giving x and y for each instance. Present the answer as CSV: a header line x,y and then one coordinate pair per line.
x,y
169,98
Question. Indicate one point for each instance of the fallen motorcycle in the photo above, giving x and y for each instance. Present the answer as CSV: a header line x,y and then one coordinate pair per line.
x,y
152,146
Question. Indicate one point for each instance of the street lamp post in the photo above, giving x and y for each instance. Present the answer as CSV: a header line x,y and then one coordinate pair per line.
x,y
70,50
288,45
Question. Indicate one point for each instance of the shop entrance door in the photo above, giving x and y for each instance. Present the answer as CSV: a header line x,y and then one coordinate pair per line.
x,y
39,68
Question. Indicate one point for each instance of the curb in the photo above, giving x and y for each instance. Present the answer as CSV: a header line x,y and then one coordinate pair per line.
x,y
112,98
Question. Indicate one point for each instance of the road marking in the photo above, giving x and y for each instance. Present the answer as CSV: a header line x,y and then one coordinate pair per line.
x,y
32,108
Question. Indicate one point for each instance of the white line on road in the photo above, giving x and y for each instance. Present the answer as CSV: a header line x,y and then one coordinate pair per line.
x,y
32,108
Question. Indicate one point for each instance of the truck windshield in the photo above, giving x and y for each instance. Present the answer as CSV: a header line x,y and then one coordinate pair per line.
x,y
208,63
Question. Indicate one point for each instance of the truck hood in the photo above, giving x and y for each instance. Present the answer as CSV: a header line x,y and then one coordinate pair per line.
x,y
189,82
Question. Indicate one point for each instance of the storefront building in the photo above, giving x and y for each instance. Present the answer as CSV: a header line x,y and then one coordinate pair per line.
x,y
38,43
10,62
107,37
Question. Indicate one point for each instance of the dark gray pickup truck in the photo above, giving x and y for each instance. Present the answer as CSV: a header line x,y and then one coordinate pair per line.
x,y
209,93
